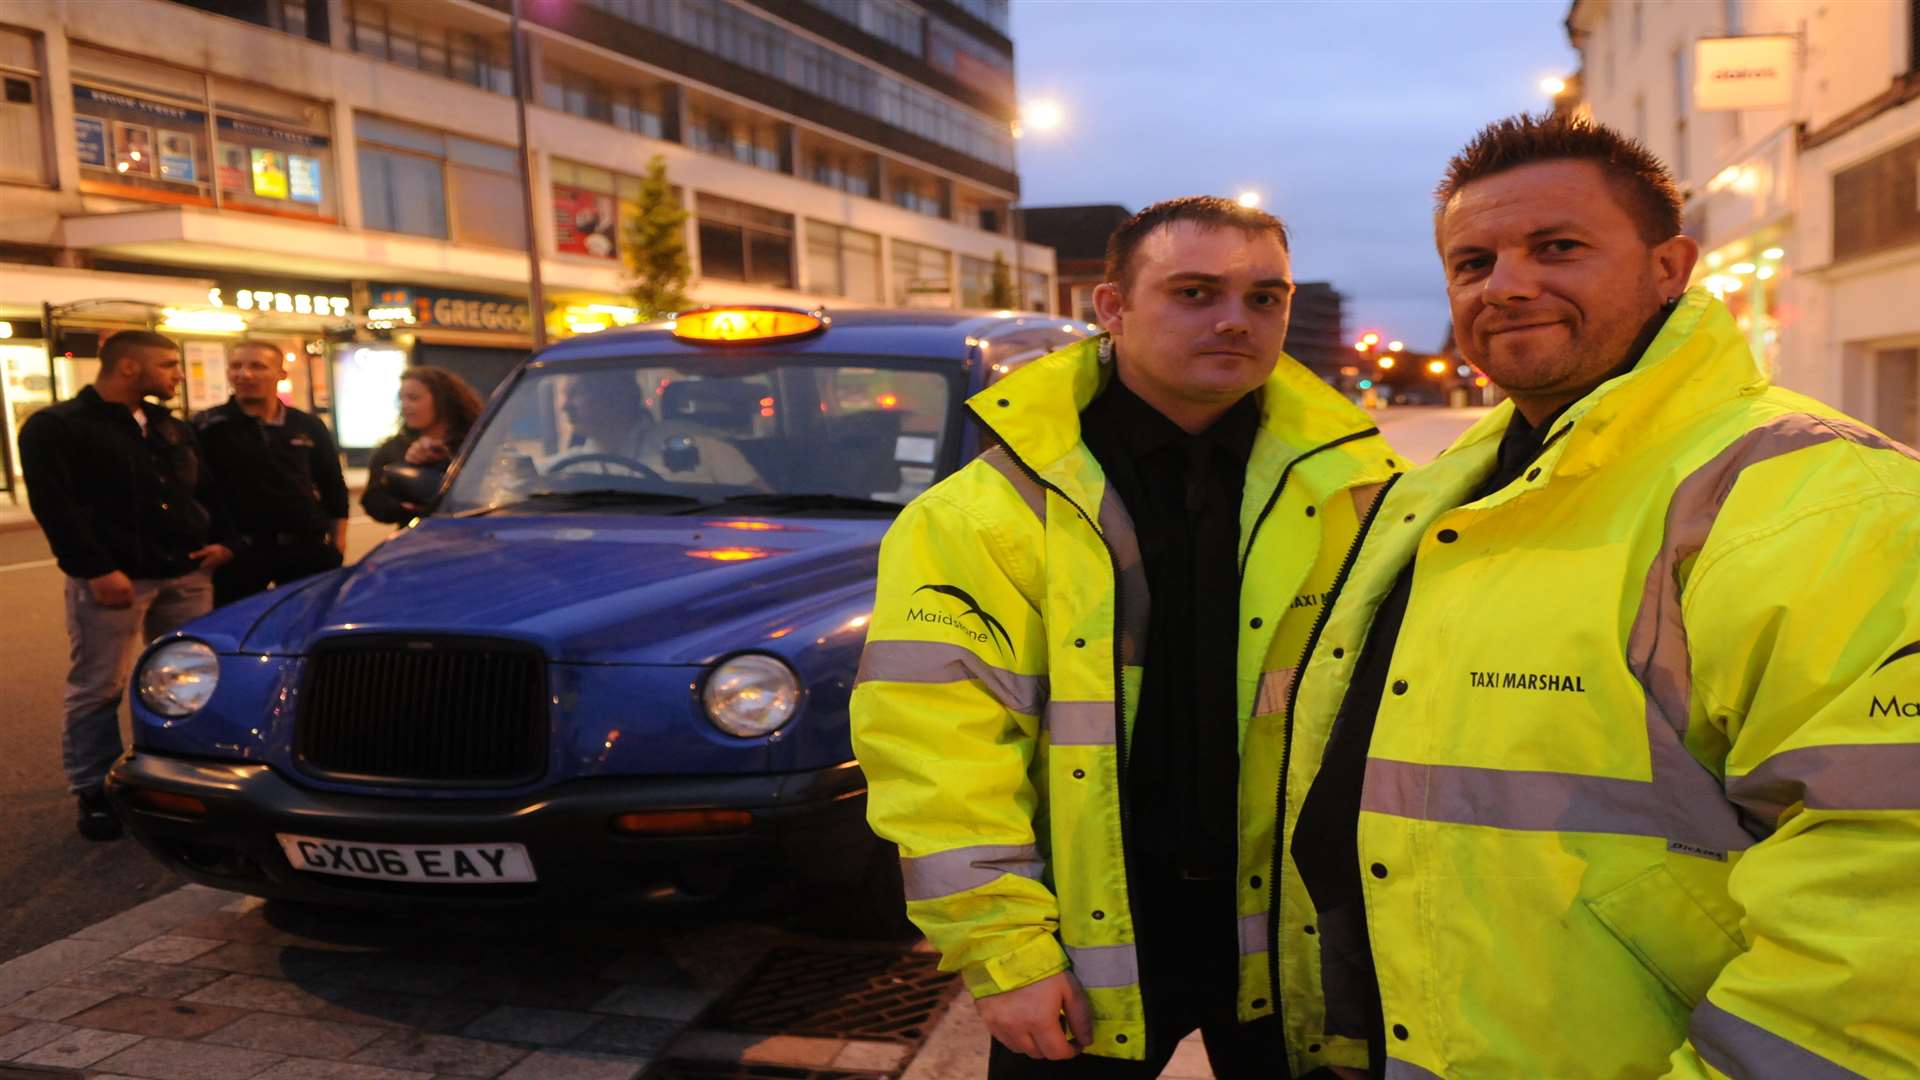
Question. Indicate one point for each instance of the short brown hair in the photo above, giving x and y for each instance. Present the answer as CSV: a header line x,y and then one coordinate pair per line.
x,y
118,346
1643,185
257,343
455,401
1208,211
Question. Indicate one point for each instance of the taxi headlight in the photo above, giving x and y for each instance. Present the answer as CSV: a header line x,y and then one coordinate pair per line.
x,y
178,678
751,695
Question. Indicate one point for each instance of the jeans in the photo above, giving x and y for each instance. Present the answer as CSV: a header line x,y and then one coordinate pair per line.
x,y
103,643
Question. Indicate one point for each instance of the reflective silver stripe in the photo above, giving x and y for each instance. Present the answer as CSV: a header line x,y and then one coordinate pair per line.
x,y
1512,798
1407,1070
1746,1050
937,662
1272,695
1253,933
1657,651
1117,527
947,872
1029,491
1869,776
1080,723
1104,965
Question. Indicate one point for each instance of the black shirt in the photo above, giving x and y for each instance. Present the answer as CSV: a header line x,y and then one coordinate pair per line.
x,y
1183,493
275,478
113,497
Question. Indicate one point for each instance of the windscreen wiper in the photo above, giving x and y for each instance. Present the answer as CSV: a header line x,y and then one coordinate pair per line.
x,y
596,497
810,500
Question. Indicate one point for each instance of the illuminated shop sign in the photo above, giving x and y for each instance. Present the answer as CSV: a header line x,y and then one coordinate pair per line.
x,y
439,309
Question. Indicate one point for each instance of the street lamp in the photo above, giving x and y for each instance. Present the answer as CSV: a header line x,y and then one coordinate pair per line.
x,y
1396,346
1386,362
522,72
1040,115
1553,86
1249,199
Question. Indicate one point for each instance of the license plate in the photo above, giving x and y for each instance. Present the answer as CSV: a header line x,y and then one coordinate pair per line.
x,y
444,864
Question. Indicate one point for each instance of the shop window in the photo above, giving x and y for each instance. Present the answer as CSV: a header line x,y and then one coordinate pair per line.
x,y
1896,384
843,262
272,151
23,115
413,180
921,276
391,32
976,282
742,242
142,143
1037,293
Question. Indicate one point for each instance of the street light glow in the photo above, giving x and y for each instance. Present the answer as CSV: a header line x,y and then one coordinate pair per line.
x,y
1438,367
1396,346
1553,86
1041,115
1370,338
1249,199
1386,362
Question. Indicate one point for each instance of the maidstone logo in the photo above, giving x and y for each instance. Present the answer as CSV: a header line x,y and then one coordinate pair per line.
x,y
1892,705
991,629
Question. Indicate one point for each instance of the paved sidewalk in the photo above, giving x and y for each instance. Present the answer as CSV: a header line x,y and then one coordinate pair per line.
x,y
201,984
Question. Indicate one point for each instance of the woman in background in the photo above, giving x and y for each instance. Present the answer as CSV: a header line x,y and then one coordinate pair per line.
x,y
437,409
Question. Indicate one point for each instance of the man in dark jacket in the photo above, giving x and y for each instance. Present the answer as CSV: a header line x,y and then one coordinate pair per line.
x,y
279,476
121,489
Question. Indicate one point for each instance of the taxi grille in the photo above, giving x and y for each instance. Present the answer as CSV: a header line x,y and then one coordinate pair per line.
x,y
426,711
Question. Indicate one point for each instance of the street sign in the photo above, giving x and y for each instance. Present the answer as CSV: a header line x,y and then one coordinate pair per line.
x,y
1736,73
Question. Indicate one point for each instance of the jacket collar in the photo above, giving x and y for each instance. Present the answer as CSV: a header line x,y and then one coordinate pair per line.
x,y
1699,360
1036,412
93,400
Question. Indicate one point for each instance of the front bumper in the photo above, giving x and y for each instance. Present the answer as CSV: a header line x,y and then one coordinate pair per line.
x,y
810,824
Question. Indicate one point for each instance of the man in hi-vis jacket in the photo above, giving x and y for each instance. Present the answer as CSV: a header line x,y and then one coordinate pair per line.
x,y
1606,761
1064,711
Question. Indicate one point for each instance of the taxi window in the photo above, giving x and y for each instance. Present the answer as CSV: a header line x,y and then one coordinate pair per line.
x,y
800,425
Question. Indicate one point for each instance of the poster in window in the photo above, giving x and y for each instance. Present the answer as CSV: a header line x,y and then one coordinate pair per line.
x,y
179,157
233,169
583,222
303,178
133,149
90,134
269,174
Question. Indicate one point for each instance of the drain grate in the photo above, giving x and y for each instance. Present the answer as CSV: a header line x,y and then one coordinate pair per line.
x,y
892,996
723,1070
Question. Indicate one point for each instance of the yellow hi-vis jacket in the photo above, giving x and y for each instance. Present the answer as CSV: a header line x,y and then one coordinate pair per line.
x,y
1002,671
1643,794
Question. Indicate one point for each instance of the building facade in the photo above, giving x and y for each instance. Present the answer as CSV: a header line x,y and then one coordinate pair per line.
x,y
342,176
1806,213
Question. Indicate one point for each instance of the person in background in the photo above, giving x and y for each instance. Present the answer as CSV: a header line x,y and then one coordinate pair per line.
x,y
279,476
437,409
123,492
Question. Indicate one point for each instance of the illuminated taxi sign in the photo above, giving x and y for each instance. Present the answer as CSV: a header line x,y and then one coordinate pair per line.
x,y
747,325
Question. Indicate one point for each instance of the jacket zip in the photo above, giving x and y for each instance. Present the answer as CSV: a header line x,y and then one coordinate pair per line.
x,y
1119,706
1286,743
1274,499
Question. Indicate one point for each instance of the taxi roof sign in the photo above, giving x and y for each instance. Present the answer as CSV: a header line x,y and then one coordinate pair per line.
x,y
747,325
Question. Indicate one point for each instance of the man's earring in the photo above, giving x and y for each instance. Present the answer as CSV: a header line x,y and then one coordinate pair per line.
x,y
1106,350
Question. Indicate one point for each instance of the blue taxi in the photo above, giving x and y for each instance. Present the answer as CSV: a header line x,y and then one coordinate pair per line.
x,y
613,660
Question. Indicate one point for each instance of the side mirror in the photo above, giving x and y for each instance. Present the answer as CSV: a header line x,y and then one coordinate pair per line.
x,y
411,483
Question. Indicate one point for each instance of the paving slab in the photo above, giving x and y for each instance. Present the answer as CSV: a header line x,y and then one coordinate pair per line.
x,y
29,1037
300,1068
575,1065
79,1048
517,1023
161,1017
439,1015
56,1002
49,964
444,1054
171,1059
140,977
872,1055
171,949
315,1038
665,1002
264,995
633,1036
157,916
738,1046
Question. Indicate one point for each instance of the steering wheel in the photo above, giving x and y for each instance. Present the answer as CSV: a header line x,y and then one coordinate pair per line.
x,y
596,457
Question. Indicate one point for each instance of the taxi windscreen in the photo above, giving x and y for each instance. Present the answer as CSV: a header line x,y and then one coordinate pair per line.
x,y
671,431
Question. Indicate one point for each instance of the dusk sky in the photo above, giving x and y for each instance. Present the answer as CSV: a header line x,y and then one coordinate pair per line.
x,y
1342,115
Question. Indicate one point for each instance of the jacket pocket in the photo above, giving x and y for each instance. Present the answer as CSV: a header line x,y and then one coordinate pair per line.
x,y
1671,935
